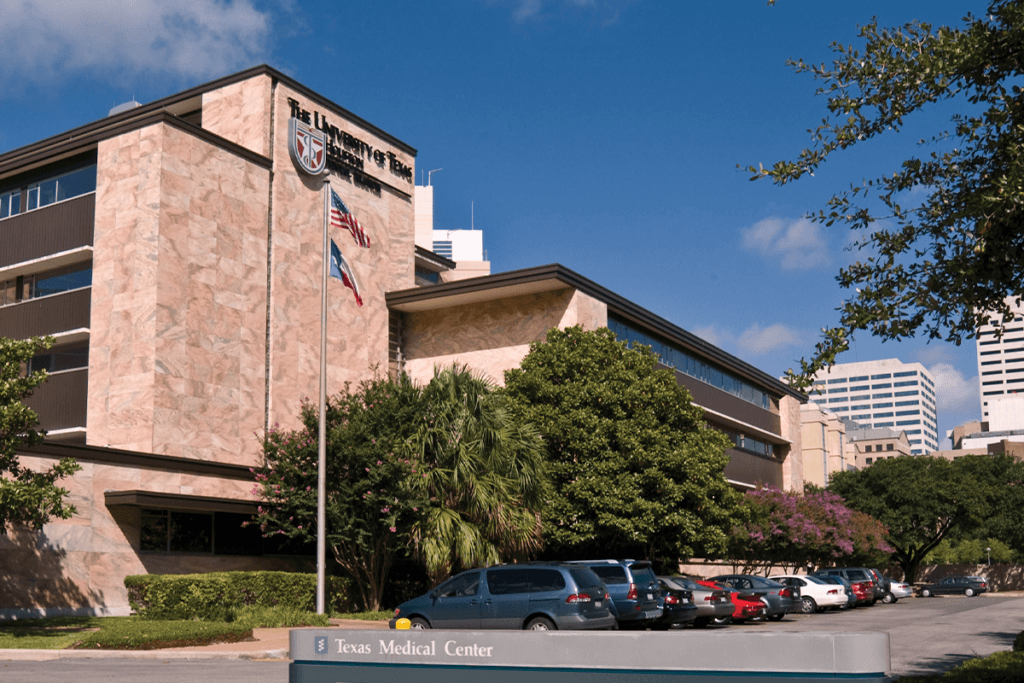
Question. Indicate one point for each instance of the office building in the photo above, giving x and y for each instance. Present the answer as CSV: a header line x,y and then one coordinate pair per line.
x,y
883,393
1001,359
174,252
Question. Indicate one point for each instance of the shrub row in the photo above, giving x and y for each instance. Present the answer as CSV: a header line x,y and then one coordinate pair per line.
x,y
130,634
210,596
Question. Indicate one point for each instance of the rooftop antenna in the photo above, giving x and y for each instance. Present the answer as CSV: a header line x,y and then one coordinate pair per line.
x,y
430,173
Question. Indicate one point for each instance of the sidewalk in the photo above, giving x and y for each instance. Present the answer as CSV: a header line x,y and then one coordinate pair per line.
x,y
267,643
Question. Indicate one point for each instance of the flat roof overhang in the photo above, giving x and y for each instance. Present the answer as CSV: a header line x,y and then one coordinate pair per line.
x,y
175,501
555,276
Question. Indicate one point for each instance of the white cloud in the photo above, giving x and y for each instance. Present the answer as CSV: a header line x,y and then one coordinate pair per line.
x,y
714,335
758,341
43,39
798,244
953,392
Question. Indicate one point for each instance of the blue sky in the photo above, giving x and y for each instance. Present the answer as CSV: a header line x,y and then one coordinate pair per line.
x,y
600,134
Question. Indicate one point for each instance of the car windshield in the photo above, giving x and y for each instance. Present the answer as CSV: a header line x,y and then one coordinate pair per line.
x,y
684,584
813,579
611,573
642,575
584,578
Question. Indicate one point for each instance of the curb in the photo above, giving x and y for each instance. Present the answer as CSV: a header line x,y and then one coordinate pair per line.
x,y
47,655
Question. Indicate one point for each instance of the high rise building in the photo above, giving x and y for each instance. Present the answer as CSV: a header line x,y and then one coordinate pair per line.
x,y
883,393
1001,358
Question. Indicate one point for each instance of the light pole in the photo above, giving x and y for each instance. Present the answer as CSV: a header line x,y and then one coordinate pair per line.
x,y
989,551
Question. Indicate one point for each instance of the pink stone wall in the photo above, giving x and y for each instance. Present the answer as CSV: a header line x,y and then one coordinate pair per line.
x,y
177,340
80,563
241,113
357,336
492,336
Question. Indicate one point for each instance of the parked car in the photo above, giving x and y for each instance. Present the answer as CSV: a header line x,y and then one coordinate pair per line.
x,y
897,590
882,583
861,580
677,607
968,585
745,605
536,597
711,603
778,598
633,587
851,597
815,593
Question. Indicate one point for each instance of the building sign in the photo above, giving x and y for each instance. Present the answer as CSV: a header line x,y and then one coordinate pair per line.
x,y
348,156
307,147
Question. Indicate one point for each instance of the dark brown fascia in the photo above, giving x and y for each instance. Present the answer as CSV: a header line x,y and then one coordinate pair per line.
x,y
429,258
116,456
178,501
91,139
617,305
112,125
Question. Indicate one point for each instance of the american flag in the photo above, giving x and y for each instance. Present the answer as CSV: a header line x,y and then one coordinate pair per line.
x,y
341,270
343,219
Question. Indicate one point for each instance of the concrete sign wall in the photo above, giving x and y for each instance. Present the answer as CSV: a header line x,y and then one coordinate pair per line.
x,y
329,656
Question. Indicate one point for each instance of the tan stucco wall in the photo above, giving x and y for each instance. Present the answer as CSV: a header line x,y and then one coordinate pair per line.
x,y
493,336
357,336
79,564
177,341
793,466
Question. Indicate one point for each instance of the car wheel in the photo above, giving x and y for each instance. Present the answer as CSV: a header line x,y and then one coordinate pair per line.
x,y
807,605
925,593
888,598
969,592
721,621
776,617
540,624
419,624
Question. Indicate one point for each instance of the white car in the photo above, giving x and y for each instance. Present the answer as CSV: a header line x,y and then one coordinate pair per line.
x,y
897,590
815,594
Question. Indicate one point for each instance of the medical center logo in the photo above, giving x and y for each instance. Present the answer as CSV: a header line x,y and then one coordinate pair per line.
x,y
307,146
320,645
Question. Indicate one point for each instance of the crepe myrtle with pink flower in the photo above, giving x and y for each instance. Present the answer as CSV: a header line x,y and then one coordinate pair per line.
x,y
813,529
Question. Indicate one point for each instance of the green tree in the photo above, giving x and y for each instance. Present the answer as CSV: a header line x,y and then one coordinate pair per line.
x,y
634,468
920,501
373,500
941,233
27,497
483,478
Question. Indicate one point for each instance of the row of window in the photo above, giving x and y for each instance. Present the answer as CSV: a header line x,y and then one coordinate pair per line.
x,y
888,447
49,191
746,443
50,282
216,533
685,363
73,357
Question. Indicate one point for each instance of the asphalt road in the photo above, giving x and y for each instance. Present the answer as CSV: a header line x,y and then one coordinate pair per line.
x,y
927,635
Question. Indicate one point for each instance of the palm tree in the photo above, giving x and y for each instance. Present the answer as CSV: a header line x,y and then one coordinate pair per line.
x,y
483,477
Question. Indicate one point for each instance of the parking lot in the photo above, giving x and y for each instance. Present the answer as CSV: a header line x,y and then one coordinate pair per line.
x,y
926,635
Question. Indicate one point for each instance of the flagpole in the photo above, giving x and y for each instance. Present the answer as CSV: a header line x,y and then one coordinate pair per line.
x,y
321,464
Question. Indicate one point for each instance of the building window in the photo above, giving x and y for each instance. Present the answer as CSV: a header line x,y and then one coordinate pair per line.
x,y
912,373
867,449
884,385
62,187
209,533
443,248
45,284
59,360
859,379
887,375
427,277
888,447
841,380
868,461
10,204
673,357
887,404
878,415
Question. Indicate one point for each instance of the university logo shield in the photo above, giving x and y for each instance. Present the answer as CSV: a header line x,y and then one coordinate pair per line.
x,y
307,146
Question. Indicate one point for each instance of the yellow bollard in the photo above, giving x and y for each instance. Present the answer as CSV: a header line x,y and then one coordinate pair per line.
x,y
402,623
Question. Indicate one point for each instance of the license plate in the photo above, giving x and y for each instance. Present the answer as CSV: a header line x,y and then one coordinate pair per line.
x,y
650,596
652,615
597,603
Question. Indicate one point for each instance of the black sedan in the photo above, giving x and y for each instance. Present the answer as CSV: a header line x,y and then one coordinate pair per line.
x,y
953,585
677,607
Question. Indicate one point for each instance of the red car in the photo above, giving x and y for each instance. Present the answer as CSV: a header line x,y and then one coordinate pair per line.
x,y
745,605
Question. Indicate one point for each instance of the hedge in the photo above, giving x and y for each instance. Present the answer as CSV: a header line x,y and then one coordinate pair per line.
x,y
208,596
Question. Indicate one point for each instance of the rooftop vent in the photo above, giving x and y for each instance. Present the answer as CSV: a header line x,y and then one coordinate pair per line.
x,y
132,104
